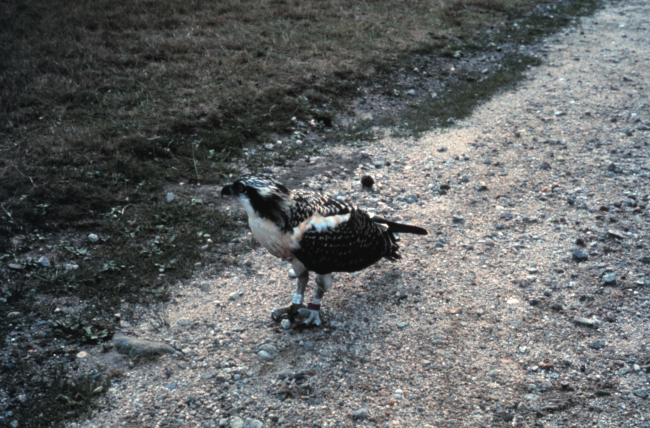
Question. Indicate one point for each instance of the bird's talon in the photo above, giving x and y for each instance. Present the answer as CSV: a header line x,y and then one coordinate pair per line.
x,y
289,311
313,316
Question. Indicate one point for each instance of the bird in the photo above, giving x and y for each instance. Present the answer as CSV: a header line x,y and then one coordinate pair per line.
x,y
314,232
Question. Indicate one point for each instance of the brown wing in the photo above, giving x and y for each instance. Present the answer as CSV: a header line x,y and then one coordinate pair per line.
x,y
309,203
349,247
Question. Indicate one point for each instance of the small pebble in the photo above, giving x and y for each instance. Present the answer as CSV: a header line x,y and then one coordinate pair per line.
x,y
609,279
367,181
361,413
265,355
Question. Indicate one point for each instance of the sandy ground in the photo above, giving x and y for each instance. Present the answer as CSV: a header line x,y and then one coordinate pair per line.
x,y
492,319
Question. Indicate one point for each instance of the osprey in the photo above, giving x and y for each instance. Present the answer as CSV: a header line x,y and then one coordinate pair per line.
x,y
314,232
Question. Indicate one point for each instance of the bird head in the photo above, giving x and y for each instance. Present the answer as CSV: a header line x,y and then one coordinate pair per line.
x,y
259,195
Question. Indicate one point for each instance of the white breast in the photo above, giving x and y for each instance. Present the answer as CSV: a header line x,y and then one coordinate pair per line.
x,y
270,236
282,244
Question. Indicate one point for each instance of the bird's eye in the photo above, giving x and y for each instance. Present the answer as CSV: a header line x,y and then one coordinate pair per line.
x,y
240,188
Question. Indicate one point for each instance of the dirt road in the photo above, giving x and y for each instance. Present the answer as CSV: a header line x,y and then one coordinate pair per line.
x,y
527,305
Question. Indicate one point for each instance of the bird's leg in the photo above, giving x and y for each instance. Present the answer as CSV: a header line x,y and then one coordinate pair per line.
x,y
312,311
297,297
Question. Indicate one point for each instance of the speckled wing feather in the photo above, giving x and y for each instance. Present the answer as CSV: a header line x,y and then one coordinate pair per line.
x,y
349,247
309,203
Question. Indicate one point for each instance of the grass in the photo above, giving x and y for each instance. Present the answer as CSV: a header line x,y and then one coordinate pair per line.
x,y
105,103
62,393
464,91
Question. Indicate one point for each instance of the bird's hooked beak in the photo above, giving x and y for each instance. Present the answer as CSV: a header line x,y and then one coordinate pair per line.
x,y
228,190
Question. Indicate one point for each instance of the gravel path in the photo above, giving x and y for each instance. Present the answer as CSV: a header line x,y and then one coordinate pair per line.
x,y
527,305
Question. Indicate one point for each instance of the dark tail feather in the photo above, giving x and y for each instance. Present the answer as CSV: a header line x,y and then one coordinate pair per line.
x,y
400,228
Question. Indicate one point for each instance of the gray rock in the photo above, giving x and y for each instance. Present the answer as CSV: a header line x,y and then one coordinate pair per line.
x,y
548,292
530,387
442,149
170,197
493,373
236,422
93,237
599,344
361,413
616,234
544,165
336,324
641,393
71,266
140,347
223,422
15,266
411,198
603,393
531,397
286,324
586,321
506,215
411,92
458,220
234,296
171,386
402,324
487,161
209,375
624,371
546,385
378,164
44,261
268,348
265,355
182,322
253,423
579,255
609,279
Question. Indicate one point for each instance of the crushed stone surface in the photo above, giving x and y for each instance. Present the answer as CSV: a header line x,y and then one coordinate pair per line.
x,y
527,305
